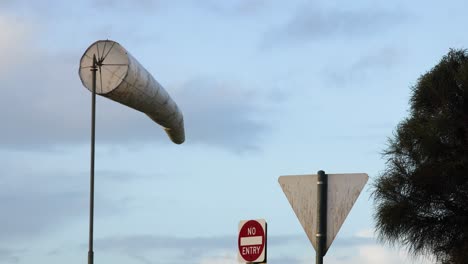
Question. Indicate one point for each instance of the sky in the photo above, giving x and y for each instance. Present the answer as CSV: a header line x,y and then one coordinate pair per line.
x,y
267,88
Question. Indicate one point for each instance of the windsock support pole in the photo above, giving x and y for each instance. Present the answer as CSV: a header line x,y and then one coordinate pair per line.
x,y
91,179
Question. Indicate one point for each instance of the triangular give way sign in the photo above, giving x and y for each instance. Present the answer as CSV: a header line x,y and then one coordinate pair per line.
x,y
342,192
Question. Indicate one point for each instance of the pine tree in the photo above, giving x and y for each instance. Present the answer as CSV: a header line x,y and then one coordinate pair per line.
x,y
421,197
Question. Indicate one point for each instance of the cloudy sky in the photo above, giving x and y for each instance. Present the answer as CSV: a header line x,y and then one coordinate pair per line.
x,y
267,88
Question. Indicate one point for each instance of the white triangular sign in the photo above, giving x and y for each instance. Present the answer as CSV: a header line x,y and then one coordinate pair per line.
x,y
343,190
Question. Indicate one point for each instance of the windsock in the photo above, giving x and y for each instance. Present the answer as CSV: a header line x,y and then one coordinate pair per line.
x,y
121,78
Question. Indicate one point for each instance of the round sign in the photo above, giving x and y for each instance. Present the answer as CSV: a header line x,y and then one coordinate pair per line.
x,y
251,241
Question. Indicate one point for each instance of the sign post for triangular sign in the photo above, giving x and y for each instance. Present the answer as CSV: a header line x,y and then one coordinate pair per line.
x,y
341,193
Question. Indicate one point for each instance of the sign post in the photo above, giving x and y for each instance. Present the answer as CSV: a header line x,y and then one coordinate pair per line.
x,y
322,202
321,216
252,241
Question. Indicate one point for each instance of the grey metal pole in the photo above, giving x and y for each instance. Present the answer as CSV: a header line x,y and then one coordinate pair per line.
x,y
321,236
91,180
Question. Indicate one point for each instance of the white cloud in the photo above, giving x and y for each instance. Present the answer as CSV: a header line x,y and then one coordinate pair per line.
x,y
14,39
371,253
376,253
225,258
366,233
383,255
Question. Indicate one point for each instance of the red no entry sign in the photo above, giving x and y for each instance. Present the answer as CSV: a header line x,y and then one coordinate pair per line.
x,y
252,241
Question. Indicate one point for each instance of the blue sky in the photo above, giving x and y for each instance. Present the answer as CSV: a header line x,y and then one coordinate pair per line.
x,y
267,88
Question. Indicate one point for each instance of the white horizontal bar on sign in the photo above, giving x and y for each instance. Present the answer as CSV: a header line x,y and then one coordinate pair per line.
x,y
249,241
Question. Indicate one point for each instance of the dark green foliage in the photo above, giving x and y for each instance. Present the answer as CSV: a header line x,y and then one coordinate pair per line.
x,y
421,198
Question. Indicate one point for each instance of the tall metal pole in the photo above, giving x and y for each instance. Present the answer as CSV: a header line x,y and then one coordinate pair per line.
x,y
91,180
321,236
